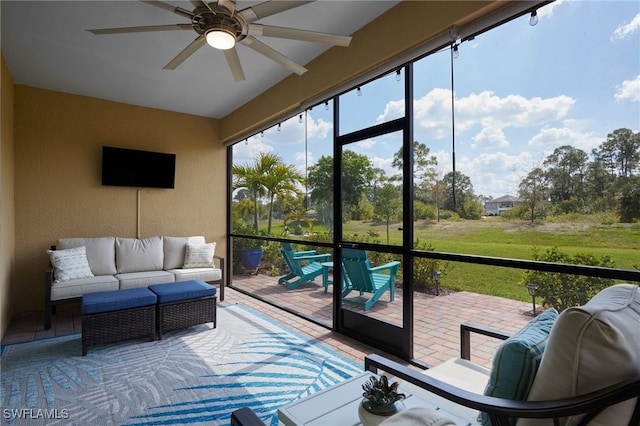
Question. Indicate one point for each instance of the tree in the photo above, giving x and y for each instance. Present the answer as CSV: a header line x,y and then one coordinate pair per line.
x,y
249,177
388,204
630,200
533,191
280,179
620,152
357,177
425,173
459,190
267,176
565,170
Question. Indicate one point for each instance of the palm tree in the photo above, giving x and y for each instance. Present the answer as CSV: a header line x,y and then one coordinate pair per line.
x,y
250,178
280,179
267,176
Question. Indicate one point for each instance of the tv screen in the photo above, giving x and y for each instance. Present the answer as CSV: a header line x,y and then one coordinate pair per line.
x,y
142,169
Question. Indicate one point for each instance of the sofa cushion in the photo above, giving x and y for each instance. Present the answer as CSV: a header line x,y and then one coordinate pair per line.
x,y
199,255
144,279
138,255
76,288
591,347
174,250
204,274
70,264
101,252
107,301
517,360
183,290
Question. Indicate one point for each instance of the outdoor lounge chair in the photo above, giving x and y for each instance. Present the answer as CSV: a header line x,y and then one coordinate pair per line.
x,y
588,374
363,278
304,265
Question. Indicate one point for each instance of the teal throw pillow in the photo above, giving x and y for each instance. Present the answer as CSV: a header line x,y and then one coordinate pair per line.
x,y
516,362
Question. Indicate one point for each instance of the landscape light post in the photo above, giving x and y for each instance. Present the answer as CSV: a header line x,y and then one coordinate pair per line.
x,y
532,288
435,275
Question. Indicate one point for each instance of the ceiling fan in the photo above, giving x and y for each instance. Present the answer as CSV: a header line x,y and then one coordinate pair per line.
x,y
221,26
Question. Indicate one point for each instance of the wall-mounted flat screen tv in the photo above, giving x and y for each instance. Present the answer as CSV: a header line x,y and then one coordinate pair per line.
x,y
142,169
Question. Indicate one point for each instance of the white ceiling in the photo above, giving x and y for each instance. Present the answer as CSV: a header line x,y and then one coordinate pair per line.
x,y
46,45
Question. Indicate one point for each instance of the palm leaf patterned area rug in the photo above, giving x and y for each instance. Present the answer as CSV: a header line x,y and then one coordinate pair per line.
x,y
193,376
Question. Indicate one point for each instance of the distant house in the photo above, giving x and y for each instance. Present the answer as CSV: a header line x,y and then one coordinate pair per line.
x,y
496,206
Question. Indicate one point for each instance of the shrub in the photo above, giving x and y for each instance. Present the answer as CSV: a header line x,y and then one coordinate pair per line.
x,y
562,291
423,269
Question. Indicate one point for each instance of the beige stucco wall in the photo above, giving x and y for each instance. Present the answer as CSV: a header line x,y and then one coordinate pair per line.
x,y
58,191
7,215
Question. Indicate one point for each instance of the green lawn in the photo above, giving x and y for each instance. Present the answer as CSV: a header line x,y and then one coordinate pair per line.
x,y
506,239
512,239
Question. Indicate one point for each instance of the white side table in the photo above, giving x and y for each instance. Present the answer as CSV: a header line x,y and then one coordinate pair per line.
x,y
335,406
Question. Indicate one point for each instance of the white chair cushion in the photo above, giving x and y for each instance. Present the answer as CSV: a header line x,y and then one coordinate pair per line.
x,y
589,348
199,255
174,250
139,255
70,264
101,252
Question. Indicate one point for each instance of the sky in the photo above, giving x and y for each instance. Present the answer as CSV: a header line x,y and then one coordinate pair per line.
x,y
520,91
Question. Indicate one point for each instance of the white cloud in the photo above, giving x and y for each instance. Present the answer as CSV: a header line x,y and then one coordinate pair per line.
x,y
318,129
247,152
626,30
498,173
490,137
629,90
570,134
491,112
366,144
433,113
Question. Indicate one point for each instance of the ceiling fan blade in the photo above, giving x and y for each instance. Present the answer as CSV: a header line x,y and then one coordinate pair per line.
x,y
234,63
186,52
149,28
171,8
268,8
295,34
274,55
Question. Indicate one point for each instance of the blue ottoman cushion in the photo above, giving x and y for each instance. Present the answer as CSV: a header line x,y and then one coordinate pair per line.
x,y
106,301
182,290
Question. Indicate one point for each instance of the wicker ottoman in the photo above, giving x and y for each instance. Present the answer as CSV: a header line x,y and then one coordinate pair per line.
x,y
114,316
183,304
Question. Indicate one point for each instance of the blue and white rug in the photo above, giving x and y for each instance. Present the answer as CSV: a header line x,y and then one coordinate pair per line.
x,y
193,376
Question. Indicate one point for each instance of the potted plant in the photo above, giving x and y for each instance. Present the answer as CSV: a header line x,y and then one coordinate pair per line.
x,y
380,400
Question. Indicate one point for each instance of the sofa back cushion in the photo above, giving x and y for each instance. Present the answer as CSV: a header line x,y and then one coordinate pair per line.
x,y
139,255
175,248
591,347
101,252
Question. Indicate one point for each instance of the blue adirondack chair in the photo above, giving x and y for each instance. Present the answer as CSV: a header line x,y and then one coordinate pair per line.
x,y
365,279
305,266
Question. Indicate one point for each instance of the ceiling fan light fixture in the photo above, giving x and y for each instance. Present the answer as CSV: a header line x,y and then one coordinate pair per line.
x,y
220,38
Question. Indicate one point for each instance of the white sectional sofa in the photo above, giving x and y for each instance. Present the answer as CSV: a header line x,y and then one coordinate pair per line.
x,y
87,265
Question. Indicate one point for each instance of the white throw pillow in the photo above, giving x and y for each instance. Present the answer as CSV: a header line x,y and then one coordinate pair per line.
x,y
70,264
174,250
199,255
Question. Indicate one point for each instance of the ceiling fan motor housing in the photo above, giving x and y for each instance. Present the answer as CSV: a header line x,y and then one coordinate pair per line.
x,y
218,19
